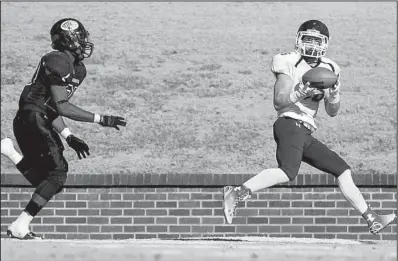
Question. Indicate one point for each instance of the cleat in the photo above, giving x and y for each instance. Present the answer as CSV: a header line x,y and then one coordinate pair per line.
x,y
231,197
7,146
379,222
28,236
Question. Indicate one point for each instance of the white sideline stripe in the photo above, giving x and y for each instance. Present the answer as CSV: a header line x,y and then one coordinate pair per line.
x,y
209,240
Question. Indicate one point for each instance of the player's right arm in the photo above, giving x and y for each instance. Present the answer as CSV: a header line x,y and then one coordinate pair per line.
x,y
285,92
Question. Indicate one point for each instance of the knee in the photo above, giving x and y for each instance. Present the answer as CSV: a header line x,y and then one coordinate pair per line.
x,y
344,174
290,172
57,177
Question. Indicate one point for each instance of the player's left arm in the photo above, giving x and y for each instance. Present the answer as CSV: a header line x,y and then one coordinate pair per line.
x,y
332,96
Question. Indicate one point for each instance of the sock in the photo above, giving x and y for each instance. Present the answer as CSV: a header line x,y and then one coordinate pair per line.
x,y
266,178
351,192
369,215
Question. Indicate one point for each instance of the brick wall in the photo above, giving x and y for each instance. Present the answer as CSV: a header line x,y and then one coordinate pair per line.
x,y
172,206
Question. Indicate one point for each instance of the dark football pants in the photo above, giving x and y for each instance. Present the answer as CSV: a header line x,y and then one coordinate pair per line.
x,y
296,144
42,151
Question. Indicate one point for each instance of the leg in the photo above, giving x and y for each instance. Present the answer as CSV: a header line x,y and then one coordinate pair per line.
x,y
290,138
46,153
321,157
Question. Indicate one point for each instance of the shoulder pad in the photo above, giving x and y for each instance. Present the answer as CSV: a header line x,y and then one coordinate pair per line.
x,y
57,64
334,66
284,62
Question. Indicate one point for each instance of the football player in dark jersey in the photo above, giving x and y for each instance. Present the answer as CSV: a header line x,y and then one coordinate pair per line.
x,y
38,122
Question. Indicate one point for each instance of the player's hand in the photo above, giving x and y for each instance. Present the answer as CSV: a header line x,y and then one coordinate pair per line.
x,y
112,121
78,145
335,90
305,90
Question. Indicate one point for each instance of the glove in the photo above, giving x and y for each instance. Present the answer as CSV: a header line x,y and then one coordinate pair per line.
x,y
112,121
78,145
303,91
335,90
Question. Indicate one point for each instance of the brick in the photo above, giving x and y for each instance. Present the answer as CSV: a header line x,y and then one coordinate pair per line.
x,y
201,196
144,236
37,220
279,204
292,196
358,229
4,212
53,220
19,197
111,229
247,212
54,236
189,220
343,204
166,220
269,229
77,204
270,212
121,220
88,197
189,204
156,212
43,228
336,229
347,236
156,229
111,212
10,204
179,212
77,236
303,220
314,212
246,229
144,220
324,204
315,229
65,196
133,229
144,204
257,220
283,220
292,229
65,228
135,196
56,204
46,212
389,237
313,196
166,204
302,204
179,229
114,196
121,204
88,229
292,212
100,236
201,212
133,212
224,229
213,220
66,212
269,196
326,236
178,196
389,204
301,235
216,212
336,212
212,204
151,196
122,236
88,212
255,204
4,196
382,196
97,220
325,220
98,204
348,220
202,229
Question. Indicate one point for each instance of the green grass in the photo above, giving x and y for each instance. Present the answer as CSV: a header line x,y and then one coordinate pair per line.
x,y
194,82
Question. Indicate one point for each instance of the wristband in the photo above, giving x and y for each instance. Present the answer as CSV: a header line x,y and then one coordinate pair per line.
x,y
65,133
97,118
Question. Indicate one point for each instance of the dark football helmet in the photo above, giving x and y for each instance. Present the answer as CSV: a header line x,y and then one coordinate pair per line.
x,y
69,34
312,39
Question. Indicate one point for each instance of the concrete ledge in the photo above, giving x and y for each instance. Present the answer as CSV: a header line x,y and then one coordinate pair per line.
x,y
205,180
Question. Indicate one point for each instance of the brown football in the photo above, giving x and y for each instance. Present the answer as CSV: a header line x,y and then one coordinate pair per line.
x,y
320,78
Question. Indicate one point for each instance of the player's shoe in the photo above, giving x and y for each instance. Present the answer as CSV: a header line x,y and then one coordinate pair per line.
x,y
12,232
376,223
231,197
7,146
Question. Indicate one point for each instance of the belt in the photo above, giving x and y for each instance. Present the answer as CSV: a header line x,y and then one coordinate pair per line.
x,y
305,124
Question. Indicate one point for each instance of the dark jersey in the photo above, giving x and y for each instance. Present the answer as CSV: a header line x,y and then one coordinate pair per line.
x,y
55,68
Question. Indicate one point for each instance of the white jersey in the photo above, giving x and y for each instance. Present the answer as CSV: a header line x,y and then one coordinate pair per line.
x,y
293,65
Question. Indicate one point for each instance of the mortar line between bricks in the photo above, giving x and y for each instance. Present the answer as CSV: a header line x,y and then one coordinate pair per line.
x,y
194,186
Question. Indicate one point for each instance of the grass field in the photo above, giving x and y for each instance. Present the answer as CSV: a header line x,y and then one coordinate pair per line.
x,y
235,249
194,81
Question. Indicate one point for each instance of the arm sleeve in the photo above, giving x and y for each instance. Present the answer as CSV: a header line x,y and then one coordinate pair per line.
x,y
280,65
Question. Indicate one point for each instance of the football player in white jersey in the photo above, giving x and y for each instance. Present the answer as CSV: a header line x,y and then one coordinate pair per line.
x,y
297,105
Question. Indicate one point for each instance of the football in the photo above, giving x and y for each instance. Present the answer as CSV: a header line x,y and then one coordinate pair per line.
x,y
320,78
